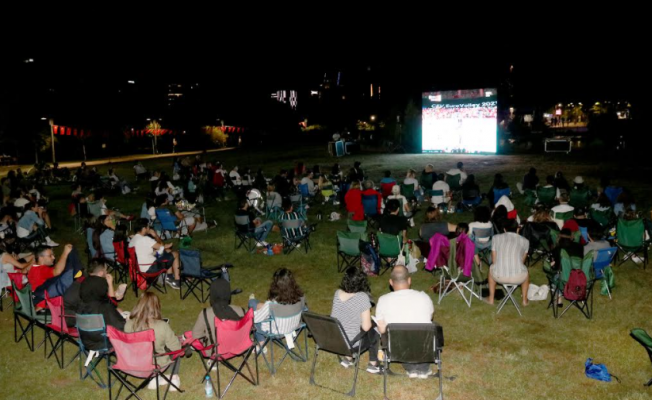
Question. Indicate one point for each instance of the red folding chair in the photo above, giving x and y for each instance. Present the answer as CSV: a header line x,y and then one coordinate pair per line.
x,y
135,358
59,327
118,266
143,280
233,341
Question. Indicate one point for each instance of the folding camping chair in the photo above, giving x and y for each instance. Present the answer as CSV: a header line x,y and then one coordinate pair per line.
x,y
233,340
273,208
631,239
357,226
59,327
454,182
457,281
414,343
144,280
26,318
370,206
602,259
135,358
580,198
348,250
559,279
91,325
509,295
168,227
281,329
389,248
482,238
119,266
196,276
245,235
295,233
546,195
329,336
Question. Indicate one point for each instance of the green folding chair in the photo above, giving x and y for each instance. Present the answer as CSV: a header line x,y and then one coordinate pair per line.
x,y
357,226
580,198
389,248
630,236
348,250
645,340
546,195
26,318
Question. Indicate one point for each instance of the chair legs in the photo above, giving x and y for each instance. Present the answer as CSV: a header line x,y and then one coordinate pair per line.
x,y
509,296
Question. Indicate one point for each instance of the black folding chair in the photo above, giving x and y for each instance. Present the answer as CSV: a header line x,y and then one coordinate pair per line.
x,y
414,344
196,276
329,336
244,234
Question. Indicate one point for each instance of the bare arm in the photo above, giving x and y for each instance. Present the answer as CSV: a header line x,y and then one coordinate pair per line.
x,y
382,326
365,320
61,264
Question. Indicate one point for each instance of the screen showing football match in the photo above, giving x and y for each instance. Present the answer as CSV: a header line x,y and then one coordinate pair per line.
x,y
459,121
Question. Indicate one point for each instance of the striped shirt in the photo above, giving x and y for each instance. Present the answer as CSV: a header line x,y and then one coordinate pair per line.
x,y
294,232
349,312
510,249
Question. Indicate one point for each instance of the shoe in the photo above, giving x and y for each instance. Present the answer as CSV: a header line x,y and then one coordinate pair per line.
x,y
374,369
298,245
346,363
412,375
174,284
252,296
176,381
637,259
424,375
258,351
51,243
261,244
152,384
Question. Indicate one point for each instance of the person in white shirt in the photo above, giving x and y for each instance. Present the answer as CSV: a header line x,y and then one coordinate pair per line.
x,y
445,199
405,305
458,171
235,176
153,255
411,180
563,207
307,180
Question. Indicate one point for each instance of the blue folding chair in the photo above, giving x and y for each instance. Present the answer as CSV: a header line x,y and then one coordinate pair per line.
x,y
92,326
167,220
612,193
370,205
196,276
602,260
305,191
498,193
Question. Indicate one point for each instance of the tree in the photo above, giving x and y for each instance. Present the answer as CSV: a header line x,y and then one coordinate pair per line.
x,y
217,135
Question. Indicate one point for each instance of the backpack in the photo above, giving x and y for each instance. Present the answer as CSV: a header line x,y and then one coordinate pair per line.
x,y
575,289
369,259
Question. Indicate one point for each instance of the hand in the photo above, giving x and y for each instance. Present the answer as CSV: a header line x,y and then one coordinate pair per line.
x,y
169,245
67,248
109,279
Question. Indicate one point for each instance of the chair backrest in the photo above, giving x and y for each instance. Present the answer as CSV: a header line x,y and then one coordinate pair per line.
x,y
25,305
386,188
584,233
357,226
546,195
414,343
563,216
328,333
438,192
470,193
482,233
370,204
119,248
530,197
297,200
165,217
234,337
603,257
579,197
191,261
134,351
498,193
286,318
349,242
144,212
453,181
630,233
132,262
304,190
91,324
602,217
57,320
569,263
288,224
241,221
407,190
389,245
612,193
89,242
273,200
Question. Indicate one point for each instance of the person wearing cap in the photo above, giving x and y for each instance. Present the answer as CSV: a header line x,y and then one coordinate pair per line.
x,y
563,207
578,183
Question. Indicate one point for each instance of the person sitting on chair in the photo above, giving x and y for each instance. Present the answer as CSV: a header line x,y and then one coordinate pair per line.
x,y
352,307
508,252
444,200
261,229
221,307
563,207
404,305
153,255
189,221
458,171
34,218
307,180
392,223
290,215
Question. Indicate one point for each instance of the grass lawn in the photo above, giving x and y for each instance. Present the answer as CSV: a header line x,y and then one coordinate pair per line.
x,y
489,356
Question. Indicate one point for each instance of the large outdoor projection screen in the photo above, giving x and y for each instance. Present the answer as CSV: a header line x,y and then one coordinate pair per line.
x,y
459,121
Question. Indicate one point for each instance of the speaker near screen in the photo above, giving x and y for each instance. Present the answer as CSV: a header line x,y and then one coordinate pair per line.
x,y
459,121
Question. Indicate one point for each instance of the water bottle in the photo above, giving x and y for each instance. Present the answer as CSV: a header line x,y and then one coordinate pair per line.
x,y
270,251
208,387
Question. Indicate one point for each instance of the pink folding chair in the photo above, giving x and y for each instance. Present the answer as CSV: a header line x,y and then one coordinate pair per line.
x,y
136,358
233,341
59,327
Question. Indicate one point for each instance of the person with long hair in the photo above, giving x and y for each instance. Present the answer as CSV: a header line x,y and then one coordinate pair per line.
x,y
147,315
287,296
352,307
353,201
